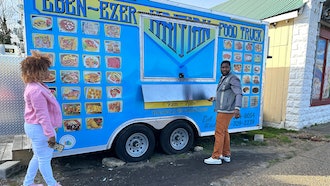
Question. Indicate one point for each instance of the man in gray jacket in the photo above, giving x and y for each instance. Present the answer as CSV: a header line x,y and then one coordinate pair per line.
x,y
228,102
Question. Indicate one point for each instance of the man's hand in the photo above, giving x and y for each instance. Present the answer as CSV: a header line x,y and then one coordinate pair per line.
x,y
211,99
51,142
236,113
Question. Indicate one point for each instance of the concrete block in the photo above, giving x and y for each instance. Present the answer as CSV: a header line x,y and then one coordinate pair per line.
x,y
9,168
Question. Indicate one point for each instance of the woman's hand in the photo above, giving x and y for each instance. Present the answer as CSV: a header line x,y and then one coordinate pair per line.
x,y
236,113
51,142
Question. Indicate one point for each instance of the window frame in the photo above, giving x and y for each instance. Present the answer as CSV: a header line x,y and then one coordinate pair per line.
x,y
324,34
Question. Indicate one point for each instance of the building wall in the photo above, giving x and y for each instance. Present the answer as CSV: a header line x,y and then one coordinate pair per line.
x,y
277,73
299,113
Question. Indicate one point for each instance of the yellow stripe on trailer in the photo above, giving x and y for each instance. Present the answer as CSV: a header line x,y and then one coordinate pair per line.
x,y
176,104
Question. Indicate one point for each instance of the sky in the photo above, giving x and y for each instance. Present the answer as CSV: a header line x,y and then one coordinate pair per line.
x,y
201,3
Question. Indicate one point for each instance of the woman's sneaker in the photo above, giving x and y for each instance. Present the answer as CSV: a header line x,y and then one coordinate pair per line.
x,y
225,158
212,161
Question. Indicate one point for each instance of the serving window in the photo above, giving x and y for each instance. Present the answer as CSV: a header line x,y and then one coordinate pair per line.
x,y
174,49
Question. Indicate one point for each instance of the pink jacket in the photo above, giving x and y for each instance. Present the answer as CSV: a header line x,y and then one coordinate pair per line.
x,y
41,107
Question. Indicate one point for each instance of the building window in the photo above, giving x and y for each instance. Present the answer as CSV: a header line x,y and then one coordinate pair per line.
x,y
321,78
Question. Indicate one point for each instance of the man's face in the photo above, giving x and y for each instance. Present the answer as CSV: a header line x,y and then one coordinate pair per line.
x,y
225,68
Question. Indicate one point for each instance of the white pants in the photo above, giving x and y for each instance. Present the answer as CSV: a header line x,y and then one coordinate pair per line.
x,y
42,156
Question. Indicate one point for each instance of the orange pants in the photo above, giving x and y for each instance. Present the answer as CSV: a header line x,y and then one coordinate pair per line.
x,y
222,138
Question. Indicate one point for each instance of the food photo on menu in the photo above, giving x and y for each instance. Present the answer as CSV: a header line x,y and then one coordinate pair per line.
x,y
42,22
246,90
68,43
254,101
237,57
256,69
92,77
226,55
43,41
258,47
71,125
71,109
255,90
70,76
69,60
91,61
257,57
245,101
91,45
227,44
237,67
93,92
247,57
113,62
238,45
90,28
114,91
247,68
93,108
67,25
248,46
246,79
115,106
70,93
94,123
256,79
112,30
112,46
114,77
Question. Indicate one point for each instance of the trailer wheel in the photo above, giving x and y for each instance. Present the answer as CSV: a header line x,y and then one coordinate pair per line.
x,y
135,143
177,137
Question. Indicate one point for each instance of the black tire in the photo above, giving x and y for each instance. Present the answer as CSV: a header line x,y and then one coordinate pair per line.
x,y
177,137
135,143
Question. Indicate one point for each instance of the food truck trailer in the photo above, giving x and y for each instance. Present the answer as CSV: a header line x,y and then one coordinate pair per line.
x,y
130,74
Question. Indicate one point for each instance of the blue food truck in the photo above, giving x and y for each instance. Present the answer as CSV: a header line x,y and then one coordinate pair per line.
x,y
130,74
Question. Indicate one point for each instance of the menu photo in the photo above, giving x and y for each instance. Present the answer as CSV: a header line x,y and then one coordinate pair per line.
x,y
70,93
71,125
69,60
112,30
90,28
67,25
71,109
94,123
42,22
91,61
114,91
70,76
92,77
115,106
68,43
93,108
93,92
113,62
43,41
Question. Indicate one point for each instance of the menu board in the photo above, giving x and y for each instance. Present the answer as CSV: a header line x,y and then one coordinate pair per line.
x,y
77,76
247,64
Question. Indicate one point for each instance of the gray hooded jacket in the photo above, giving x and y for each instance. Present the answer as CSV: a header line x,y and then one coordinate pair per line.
x,y
229,94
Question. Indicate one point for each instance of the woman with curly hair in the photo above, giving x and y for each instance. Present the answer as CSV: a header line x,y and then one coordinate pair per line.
x,y
42,116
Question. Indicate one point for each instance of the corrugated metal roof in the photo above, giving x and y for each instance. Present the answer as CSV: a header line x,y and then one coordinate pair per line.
x,y
258,9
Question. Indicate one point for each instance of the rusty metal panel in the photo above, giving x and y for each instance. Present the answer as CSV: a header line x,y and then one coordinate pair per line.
x,y
11,96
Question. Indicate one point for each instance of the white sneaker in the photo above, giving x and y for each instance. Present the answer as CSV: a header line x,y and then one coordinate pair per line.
x,y
212,161
225,158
